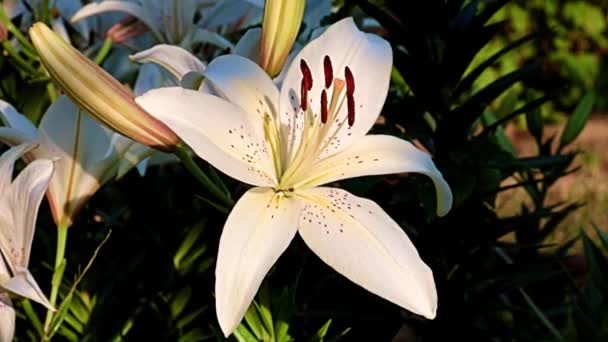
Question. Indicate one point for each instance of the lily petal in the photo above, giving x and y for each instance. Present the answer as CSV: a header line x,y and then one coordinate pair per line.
x,y
174,59
10,117
132,8
177,19
27,192
368,56
149,77
249,44
7,318
359,240
244,83
258,230
379,155
7,164
80,144
216,130
207,37
24,285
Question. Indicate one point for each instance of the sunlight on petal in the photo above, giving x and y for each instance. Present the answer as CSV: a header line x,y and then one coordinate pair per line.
x,y
359,240
218,131
258,230
379,155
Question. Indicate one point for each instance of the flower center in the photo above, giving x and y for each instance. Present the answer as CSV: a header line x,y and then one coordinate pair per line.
x,y
319,129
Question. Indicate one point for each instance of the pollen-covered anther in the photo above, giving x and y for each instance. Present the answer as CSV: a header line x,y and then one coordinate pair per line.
x,y
303,95
324,110
350,95
350,81
329,72
306,74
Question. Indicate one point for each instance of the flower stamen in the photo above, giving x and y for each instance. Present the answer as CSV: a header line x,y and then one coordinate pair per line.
x,y
323,107
329,74
350,98
306,75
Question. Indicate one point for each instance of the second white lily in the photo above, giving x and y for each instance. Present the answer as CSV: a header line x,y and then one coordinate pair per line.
x,y
290,141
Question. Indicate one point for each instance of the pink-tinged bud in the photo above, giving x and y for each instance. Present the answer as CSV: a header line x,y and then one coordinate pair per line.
x,y
280,26
98,93
127,28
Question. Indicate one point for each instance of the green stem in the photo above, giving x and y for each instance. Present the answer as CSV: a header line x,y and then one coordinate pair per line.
x,y
25,44
191,166
51,91
104,51
62,237
19,61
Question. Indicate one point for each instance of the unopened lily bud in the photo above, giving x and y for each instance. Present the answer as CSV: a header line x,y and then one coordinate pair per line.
x,y
127,28
98,93
282,20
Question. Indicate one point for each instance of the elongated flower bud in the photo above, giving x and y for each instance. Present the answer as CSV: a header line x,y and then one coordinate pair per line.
x,y
282,20
97,92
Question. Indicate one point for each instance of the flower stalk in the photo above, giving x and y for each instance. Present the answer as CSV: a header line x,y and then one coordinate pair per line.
x,y
190,165
59,268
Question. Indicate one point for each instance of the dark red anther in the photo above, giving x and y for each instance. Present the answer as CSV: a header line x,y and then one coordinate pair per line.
x,y
303,95
323,106
350,103
350,81
306,74
329,71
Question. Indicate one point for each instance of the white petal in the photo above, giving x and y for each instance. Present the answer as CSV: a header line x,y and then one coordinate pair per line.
x,y
7,318
174,59
216,130
378,155
24,285
134,157
80,144
177,18
207,37
13,119
359,240
244,83
27,192
249,44
7,163
229,12
368,56
19,205
258,230
149,77
132,8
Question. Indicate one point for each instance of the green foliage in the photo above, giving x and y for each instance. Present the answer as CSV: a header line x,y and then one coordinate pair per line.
x,y
463,71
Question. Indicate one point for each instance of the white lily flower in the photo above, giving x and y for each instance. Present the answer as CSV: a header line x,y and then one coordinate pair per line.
x,y
19,203
84,157
169,21
289,141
